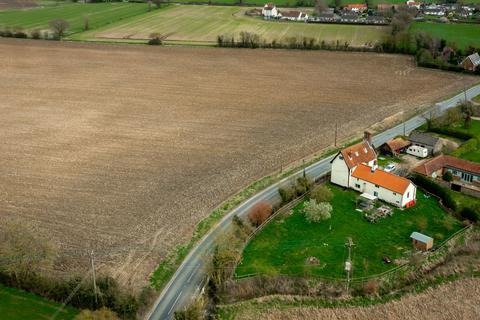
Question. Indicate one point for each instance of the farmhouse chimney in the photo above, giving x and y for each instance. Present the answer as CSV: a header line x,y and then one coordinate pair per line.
x,y
367,136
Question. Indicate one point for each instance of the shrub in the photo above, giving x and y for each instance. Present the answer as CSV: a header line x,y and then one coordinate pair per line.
x,y
155,39
452,133
20,34
321,193
447,176
100,314
287,194
472,214
35,34
370,287
316,212
259,213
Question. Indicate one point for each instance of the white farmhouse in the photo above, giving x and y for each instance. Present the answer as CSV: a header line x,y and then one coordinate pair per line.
x,y
270,11
347,160
356,168
386,186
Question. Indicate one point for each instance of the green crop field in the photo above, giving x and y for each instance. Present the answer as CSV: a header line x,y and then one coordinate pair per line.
x,y
20,305
285,244
461,34
205,23
99,14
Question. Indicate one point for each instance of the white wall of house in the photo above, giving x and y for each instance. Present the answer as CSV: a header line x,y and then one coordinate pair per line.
x,y
383,194
340,172
270,13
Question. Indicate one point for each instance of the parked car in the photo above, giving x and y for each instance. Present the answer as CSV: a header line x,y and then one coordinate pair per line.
x,y
389,168
386,259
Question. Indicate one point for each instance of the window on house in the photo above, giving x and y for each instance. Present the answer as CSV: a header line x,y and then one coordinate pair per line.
x,y
357,186
375,193
341,157
395,194
377,186
356,153
408,194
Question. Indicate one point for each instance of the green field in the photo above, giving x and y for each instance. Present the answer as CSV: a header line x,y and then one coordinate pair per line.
x,y
461,34
99,14
283,246
205,23
20,305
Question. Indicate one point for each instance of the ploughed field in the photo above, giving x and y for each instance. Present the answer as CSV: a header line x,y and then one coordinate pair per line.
x,y
206,23
125,149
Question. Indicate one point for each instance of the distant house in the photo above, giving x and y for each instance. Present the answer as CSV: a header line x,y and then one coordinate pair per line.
x,y
356,8
466,174
421,241
293,15
413,4
356,167
270,11
471,62
439,12
431,143
326,17
376,20
350,18
395,146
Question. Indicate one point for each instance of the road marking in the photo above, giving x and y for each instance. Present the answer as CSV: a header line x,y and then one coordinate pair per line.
x,y
193,272
174,303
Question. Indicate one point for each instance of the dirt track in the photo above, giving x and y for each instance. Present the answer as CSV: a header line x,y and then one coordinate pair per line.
x,y
124,149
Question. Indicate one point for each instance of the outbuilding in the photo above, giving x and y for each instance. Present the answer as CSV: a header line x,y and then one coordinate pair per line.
x,y
395,146
426,140
421,241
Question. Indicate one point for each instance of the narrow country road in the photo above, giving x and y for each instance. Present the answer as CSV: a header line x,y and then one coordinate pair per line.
x,y
189,278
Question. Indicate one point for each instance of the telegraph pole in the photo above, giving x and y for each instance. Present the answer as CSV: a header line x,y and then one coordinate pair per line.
x,y
465,92
348,263
336,127
92,260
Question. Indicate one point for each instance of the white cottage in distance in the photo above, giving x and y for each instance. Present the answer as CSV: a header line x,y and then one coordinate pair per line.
x,y
270,11
356,168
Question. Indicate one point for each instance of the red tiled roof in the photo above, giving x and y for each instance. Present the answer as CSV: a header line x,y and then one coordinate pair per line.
x,y
357,6
291,14
358,153
437,163
397,144
383,179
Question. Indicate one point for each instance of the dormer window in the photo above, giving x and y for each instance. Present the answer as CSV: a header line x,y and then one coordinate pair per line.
x,y
365,149
356,153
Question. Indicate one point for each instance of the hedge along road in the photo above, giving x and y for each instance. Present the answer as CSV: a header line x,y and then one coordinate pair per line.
x,y
189,279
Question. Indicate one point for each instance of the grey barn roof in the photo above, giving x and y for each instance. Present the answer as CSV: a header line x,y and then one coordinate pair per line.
x,y
475,58
423,138
420,237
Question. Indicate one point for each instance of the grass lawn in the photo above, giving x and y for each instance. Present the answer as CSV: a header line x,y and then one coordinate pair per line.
x,y
466,151
205,23
461,34
283,245
17,304
384,160
99,14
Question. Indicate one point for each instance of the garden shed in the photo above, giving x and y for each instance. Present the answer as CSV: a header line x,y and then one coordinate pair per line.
x,y
421,241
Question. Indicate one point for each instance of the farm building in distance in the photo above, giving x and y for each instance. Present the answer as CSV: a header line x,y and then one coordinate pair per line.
x,y
356,167
472,62
421,241
431,143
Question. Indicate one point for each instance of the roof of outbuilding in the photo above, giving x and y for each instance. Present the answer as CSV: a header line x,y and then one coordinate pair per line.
x,y
358,153
439,162
420,237
475,58
397,144
381,178
423,138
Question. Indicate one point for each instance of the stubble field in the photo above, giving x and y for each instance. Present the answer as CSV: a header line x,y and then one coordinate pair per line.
x,y
453,301
125,149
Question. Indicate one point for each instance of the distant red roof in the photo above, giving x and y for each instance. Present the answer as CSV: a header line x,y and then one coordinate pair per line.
x,y
358,153
357,6
381,178
437,163
269,6
291,14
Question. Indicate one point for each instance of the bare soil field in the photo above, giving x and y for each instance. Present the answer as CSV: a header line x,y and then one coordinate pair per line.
x,y
459,300
124,149
17,4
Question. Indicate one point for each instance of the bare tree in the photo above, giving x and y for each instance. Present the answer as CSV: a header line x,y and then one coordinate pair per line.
x,y
158,3
338,4
320,6
149,5
86,23
58,26
259,213
23,253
